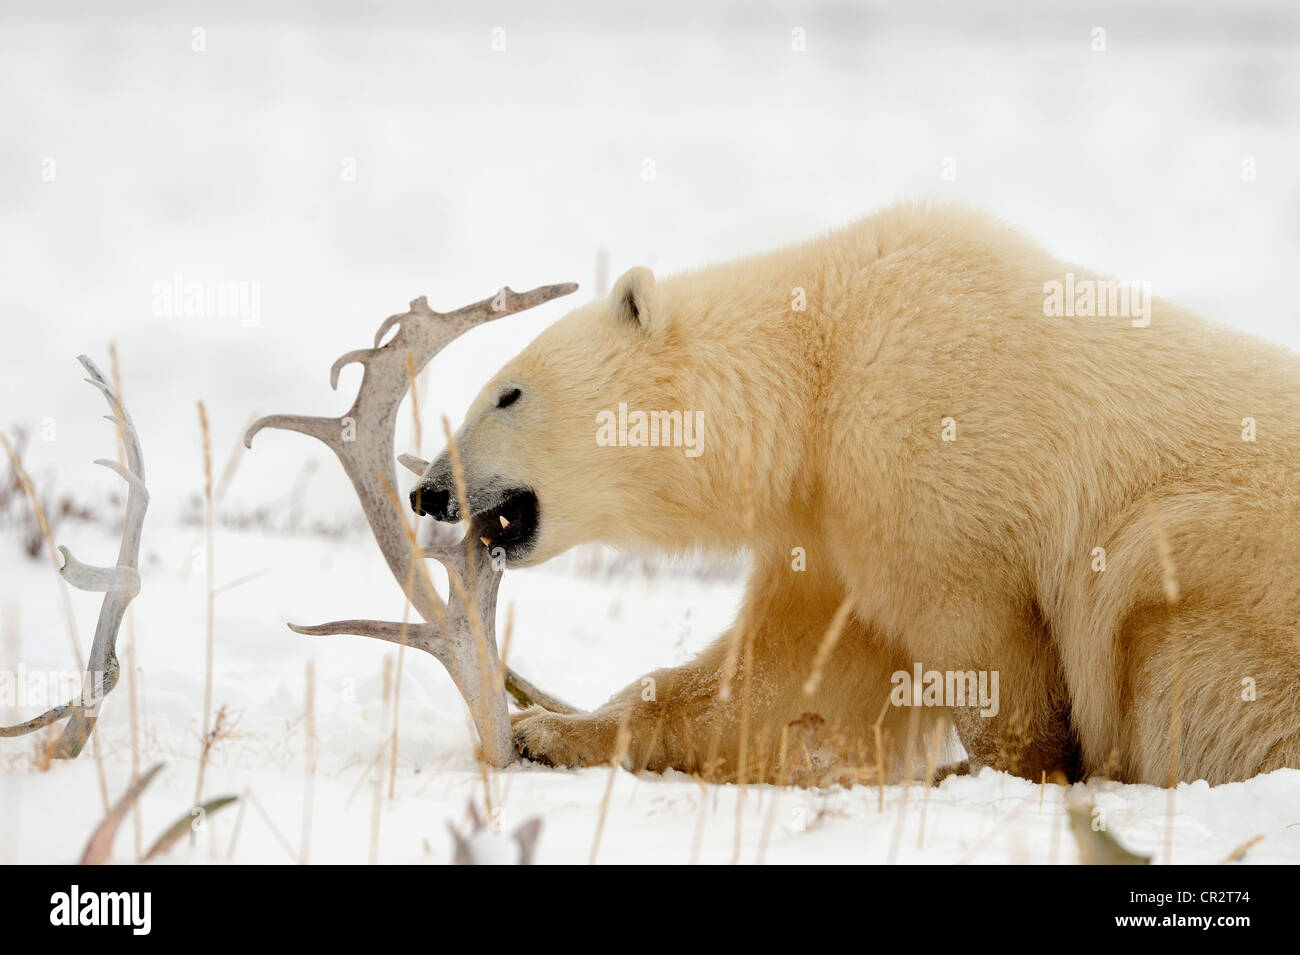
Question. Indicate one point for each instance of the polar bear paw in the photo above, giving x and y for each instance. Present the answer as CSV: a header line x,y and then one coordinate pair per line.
x,y
562,739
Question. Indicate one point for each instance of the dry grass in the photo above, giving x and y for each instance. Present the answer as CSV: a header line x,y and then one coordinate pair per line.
x,y
417,439
913,725
1239,853
376,809
310,750
223,728
468,589
740,634
131,662
620,753
742,755
766,835
51,549
931,761
219,490
700,823
1169,576
828,645
397,688
249,797
878,736
210,603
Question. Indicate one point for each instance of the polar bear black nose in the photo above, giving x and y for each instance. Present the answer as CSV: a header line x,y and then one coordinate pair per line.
x,y
433,501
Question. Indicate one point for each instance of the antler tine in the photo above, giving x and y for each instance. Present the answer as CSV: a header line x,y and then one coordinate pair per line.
x,y
362,439
418,304
506,302
422,636
527,694
323,429
119,584
38,722
73,708
130,477
98,579
416,466
122,418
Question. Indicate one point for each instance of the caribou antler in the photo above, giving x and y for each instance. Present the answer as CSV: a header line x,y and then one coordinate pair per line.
x,y
462,635
118,584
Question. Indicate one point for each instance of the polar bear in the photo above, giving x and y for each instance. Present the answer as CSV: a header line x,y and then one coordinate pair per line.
x,y
951,458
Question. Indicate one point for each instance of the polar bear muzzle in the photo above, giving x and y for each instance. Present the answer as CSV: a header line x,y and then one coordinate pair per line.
x,y
505,518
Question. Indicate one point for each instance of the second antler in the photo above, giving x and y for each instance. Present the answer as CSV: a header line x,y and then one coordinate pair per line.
x,y
460,634
119,584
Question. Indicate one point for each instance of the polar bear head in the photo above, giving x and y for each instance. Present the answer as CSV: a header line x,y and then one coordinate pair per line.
x,y
588,434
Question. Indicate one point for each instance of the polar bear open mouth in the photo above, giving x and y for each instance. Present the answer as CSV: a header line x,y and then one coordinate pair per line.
x,y
511,523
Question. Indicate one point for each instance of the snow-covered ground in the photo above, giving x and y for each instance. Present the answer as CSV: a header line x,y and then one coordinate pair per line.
x,y
580,633
339,165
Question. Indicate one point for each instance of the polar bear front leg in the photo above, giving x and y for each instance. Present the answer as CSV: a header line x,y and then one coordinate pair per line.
x,y
681,718
666,719
671,719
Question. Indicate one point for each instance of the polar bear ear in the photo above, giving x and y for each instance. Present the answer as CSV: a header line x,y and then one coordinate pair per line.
x,y
634,300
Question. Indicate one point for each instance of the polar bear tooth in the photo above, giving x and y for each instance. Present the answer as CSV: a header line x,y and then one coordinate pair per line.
x,y
502,519
486,542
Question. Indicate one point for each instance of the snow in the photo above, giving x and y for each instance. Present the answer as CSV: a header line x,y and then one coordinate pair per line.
x,y
627,624
477,168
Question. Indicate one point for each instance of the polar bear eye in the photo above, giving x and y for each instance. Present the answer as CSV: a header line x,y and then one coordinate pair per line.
x,y
508,398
